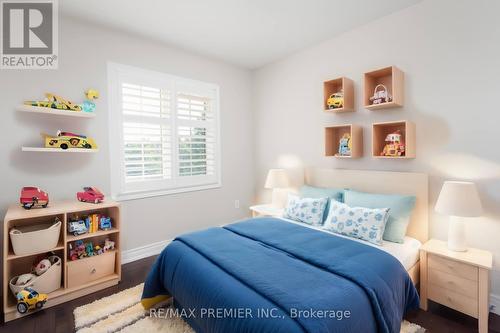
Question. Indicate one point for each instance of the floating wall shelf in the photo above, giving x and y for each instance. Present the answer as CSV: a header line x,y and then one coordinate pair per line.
x,y
391,77
380,132
59,150
337,85
55,112
333,135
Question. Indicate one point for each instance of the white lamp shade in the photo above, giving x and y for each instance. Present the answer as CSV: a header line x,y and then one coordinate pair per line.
x,y
277,178
459,199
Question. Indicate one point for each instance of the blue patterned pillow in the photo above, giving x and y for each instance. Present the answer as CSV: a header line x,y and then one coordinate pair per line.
x,y
307,210
357,222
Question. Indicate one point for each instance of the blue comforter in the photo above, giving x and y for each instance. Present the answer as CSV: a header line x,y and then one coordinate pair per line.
x,y
268,275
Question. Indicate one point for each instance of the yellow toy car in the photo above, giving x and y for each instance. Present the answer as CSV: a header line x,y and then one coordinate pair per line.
x,y
28,299
65,140
335,101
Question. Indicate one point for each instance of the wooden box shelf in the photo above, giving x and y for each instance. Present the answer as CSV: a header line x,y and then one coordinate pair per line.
x,y
381,130
107,267
333,135
391,77
338,85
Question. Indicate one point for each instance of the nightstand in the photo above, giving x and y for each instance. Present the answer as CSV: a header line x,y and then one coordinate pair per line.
x,y
266,210
459,280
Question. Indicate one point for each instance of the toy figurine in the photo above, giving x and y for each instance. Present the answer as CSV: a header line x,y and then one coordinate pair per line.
x,y
89,105
33,196
72,253
89,249
80,249
77,227
108,245
28,299
98,250
336,100
394,145
380,96
345,145
90,194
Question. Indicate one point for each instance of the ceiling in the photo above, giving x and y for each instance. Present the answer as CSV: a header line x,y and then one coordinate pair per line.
x,y
249,33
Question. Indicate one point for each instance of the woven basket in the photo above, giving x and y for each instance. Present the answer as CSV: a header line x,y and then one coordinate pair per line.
x,y
45,283
35,238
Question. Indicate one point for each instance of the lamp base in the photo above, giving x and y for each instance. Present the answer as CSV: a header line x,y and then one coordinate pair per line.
x,y
456,235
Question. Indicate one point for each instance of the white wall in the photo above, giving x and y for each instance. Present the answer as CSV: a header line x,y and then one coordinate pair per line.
x,y
84,51
450,53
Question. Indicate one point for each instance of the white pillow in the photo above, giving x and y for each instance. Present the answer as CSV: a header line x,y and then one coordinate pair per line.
x,y
307,210
357,222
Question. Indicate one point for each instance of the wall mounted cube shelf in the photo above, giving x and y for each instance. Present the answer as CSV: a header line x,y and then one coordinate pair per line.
x,y
333,135
381,130
337,85
391,77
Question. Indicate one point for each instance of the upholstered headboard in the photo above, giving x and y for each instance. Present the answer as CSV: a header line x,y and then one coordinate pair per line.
x,y
407,183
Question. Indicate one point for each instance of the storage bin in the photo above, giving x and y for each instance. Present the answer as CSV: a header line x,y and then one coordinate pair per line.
x,y
45,283
35,238
83,271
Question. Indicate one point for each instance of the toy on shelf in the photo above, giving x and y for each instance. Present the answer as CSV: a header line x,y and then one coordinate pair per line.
x,y
345,145
394,145
108,245
98,250
380,95
89,249
53,101
78,251
32,196
28,299
24,279
42,266
90,194
336,100
77,227
105,223
65,140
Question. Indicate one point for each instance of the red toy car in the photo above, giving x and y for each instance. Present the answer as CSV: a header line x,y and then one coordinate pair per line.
x,y
90,194
32,196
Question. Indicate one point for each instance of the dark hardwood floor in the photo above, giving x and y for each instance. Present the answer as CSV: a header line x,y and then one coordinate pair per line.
x,y
59,319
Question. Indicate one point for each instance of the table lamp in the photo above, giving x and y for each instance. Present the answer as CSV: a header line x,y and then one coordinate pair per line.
x,y
276,179
458,200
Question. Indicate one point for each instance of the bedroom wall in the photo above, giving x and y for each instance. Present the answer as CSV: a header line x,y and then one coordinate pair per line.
x,y
84,51
450,54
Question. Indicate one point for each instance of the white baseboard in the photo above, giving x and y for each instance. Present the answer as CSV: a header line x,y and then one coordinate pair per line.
x,y
144,251
495,304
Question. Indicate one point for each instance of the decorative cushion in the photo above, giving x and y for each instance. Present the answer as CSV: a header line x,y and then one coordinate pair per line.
x,y
336,194
400,206
307,210
357,222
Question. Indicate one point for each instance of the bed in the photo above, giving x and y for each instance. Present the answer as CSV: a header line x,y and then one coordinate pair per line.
x,y
273,275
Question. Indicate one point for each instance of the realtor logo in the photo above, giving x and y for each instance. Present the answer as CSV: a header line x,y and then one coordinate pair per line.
x,y
29,34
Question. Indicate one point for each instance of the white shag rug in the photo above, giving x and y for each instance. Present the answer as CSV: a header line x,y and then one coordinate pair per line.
x,y
122,312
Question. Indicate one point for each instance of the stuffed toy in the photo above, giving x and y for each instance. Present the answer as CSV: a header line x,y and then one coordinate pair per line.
x,y
24,279
42,266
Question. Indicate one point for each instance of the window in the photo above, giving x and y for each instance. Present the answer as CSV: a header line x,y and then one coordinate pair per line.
x,y
164,134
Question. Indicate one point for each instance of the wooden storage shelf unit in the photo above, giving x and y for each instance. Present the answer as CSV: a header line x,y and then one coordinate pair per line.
x,y
54,112
333,135
381,130
391,77
341,84
94,273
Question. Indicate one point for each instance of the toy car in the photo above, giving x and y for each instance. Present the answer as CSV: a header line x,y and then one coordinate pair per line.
x,y
77,227
28,299
335,101
90,194
105,223
65,140
32,196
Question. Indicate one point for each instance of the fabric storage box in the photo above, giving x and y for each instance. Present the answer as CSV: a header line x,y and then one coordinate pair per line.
x,y
35,238
45,283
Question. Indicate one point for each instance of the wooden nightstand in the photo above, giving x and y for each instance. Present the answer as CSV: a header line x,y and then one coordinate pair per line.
x,y
459,280
266,210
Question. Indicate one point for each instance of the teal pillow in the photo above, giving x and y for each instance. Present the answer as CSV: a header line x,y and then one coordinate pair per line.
x,y
307,191
400,207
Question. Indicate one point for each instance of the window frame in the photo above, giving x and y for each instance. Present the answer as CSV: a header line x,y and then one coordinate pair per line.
x,y
116,75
